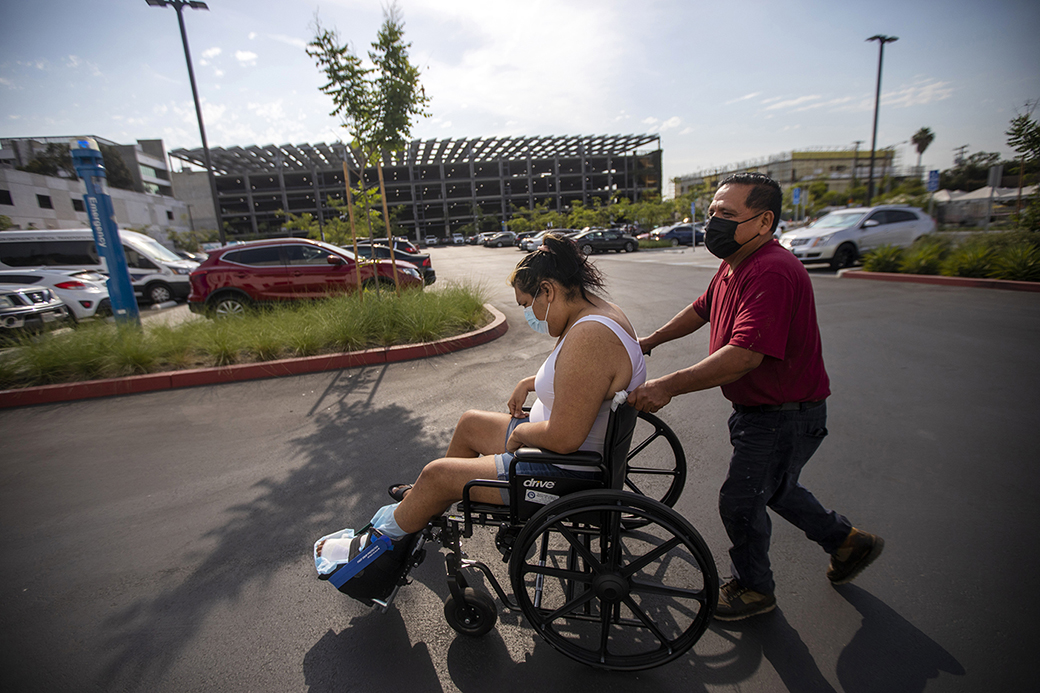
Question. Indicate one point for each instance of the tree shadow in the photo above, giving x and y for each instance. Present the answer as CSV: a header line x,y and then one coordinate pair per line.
x,y
337,480
888,653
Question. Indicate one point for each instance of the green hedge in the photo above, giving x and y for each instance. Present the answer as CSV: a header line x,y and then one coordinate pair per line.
x,y
1013,255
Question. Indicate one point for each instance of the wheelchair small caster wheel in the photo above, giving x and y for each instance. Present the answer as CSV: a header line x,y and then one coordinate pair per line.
x,y
475,616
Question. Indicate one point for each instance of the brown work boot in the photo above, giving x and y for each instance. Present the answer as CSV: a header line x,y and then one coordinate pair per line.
x,y
737,602
859,550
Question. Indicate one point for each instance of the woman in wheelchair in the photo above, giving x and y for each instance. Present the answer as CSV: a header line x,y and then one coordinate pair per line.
x,y
597,354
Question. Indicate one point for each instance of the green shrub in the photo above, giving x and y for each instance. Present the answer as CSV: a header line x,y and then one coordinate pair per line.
x,y
1018,263
925,256
969,260
885,258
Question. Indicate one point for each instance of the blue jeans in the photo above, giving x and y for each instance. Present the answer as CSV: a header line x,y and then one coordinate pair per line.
x,y
769,451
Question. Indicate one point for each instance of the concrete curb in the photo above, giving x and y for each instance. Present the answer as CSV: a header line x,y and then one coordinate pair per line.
x,y
67,392
1005,284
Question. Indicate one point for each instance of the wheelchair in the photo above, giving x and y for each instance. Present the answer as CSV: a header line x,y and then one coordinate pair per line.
x,y
604,569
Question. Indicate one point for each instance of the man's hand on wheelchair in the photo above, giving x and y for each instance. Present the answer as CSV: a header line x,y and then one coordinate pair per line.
x,y
649,397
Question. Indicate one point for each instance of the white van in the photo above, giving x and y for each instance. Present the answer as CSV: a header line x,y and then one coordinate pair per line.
x,y
156,272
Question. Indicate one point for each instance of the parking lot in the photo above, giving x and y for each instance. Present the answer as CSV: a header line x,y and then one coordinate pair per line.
x,y
162,541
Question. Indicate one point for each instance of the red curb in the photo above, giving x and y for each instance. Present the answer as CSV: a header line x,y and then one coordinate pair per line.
x,y
1004,284
67,392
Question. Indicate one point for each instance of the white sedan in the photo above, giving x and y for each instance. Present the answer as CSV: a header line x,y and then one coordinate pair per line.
x,y
84,292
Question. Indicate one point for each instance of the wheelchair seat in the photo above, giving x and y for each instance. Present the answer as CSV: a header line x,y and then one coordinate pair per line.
x,y
530,493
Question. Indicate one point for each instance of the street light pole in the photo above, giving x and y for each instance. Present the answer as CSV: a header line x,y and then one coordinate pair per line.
x,y
882,40
195,5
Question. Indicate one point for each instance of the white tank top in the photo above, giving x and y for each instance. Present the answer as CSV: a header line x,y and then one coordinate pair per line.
x,y
543,384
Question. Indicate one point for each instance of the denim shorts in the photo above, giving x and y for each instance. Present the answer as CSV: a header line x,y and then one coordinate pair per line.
x,y
505,459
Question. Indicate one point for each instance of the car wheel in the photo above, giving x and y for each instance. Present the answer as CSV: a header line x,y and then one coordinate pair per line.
x,y
629,246
675,242
158,292
844,256
586,249
229,305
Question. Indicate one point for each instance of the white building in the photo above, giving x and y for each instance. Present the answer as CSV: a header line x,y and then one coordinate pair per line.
x,y
31,200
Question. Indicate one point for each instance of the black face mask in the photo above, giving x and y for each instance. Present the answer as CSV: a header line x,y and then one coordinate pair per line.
x,y
720,236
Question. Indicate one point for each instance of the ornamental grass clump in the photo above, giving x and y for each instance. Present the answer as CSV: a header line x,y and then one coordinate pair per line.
x,y
885,258
925,256
1017,263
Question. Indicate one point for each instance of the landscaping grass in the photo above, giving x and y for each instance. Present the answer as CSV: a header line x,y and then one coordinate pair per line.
x,y
306,328
1011,255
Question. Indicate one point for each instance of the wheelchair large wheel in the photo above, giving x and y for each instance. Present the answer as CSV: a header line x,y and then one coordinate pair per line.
x,y
613,599
656,463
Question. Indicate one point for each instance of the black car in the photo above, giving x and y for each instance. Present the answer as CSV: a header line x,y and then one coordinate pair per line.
x,y
382,252
602,240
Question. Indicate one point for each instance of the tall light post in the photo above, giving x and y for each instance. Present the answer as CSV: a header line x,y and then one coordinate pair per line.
x,y
882,40
179,6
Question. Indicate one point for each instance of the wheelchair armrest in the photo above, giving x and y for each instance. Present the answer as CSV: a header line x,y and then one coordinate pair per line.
x,y
581,458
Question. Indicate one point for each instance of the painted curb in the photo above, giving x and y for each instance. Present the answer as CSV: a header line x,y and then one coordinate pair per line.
x,y
968,282
67,392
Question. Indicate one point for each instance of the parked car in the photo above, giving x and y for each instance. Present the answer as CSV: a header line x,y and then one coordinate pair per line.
x,y
602,240
401,245
198,256
500,239
781,227
84,292
843,236
239,277
521,237
679,234
156,273
478,239
367,249
431,240
29,310
458,239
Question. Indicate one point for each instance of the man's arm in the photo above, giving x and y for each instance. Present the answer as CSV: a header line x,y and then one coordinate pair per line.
x,y
728,364
684,323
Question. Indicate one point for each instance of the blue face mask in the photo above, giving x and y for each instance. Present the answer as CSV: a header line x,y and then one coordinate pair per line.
x,y
539,326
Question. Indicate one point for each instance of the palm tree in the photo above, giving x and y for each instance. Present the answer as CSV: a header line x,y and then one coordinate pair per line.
x,y
921,139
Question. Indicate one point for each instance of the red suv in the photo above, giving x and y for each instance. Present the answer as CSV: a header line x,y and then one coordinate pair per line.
x,y
237,277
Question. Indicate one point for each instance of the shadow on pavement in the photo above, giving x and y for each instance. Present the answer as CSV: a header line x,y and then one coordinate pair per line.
x,y
341,463
888,653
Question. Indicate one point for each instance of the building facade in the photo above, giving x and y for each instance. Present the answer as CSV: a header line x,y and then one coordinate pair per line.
x,y
432,187
840,168
35,201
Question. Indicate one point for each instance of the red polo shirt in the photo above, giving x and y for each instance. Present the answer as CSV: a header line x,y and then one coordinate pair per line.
x,y
767,306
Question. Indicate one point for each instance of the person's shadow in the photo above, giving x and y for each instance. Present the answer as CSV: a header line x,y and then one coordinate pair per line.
x,y
888,653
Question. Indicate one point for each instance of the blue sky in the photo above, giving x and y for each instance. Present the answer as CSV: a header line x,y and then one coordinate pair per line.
x,y
720,82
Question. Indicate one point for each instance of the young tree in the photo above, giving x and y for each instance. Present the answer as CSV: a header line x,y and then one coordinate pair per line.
x,y
1024,137
921,139
376,103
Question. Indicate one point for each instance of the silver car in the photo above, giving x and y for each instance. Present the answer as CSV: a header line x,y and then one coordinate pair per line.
x,y
29,309
843,236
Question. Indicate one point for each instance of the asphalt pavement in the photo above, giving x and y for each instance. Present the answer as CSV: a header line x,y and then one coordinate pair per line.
x,y
162,541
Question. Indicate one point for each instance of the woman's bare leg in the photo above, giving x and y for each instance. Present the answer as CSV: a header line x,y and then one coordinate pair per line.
x,y
440,484
479,433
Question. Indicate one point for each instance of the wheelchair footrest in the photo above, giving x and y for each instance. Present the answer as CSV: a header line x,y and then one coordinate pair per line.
x,y
375,572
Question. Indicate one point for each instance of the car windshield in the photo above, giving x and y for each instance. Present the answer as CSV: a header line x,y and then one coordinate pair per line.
x,y
837,220
159,251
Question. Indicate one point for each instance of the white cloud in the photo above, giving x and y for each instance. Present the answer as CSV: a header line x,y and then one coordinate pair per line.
x,y
919,94
211,53
789,103
252,35
743,98
290,40
246,57
7,83
218,73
